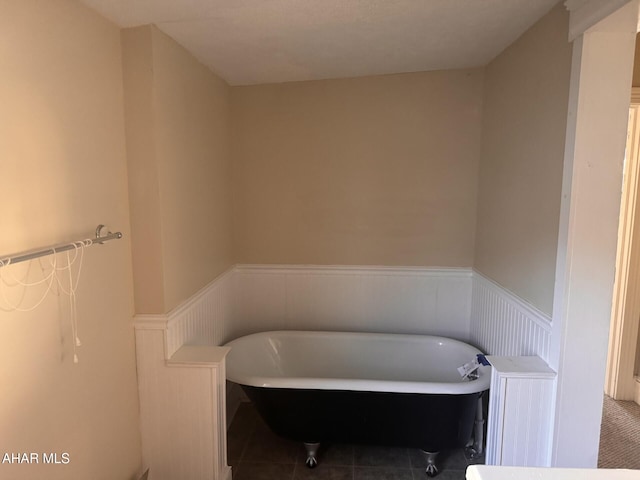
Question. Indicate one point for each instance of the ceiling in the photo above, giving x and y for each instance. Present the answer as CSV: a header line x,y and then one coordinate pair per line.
x,y
266,41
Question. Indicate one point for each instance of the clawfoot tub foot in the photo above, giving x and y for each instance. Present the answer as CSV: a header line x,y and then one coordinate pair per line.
x,y
430,457
312,454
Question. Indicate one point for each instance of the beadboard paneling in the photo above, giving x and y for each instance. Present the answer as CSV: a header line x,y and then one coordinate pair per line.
x,y
374,299
457,303
526,424
503,324
200,320
182,414
452,302
520,411
203,318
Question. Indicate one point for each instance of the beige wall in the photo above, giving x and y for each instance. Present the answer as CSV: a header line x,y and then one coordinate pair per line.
x,y
378,170
63,167
370,171
524,123
179,164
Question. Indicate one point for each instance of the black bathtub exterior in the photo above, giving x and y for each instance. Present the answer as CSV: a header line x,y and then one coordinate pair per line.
x,y
431,422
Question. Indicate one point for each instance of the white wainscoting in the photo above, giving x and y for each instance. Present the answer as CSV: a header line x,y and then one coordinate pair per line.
x,y
503,324
517,335
201,320
372,299
520,411
454,302
457,302
182,410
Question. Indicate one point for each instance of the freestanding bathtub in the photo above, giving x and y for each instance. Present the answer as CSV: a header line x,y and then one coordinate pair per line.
x,y
363,388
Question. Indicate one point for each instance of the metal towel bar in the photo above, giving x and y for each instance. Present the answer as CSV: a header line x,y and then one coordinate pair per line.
x,y
63,247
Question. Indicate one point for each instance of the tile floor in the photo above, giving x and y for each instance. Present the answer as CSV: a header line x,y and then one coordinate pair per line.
x,y
255,453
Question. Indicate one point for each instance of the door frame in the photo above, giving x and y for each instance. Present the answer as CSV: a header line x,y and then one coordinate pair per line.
x,y
620,383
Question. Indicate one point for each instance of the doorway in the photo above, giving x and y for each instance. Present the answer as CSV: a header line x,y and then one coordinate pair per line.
x,y
623,363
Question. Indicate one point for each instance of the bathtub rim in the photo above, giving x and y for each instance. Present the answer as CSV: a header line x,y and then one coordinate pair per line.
x,y
361,385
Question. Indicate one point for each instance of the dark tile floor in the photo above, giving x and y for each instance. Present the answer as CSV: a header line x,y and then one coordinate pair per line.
x,y
255,453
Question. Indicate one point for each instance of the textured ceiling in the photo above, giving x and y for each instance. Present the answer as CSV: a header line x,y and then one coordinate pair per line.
x,y
266,41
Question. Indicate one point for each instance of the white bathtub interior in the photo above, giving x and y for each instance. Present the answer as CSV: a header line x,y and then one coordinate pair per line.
x,y
353,361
